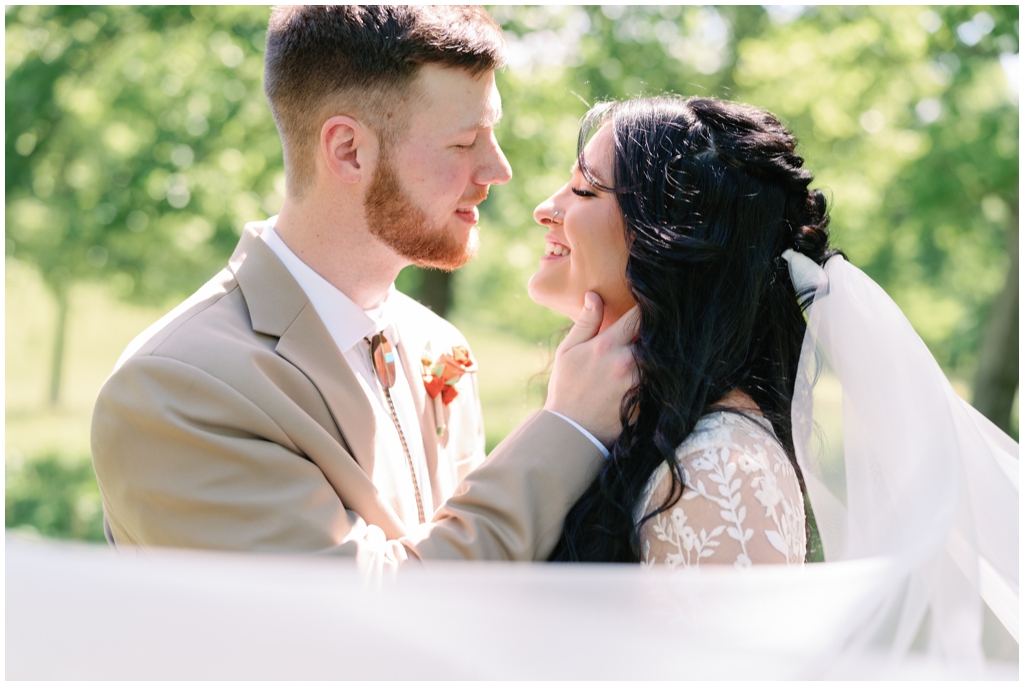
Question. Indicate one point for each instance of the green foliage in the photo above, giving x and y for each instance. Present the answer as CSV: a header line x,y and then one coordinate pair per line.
x,y
913,130
138,142
815,551
55,498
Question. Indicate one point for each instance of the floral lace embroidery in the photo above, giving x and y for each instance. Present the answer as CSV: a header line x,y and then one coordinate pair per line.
x,y
742,502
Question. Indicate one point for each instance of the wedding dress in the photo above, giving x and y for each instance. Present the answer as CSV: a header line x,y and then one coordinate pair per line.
x,y
742,502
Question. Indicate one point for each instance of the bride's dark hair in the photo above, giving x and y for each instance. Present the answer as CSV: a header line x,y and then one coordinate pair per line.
x,y
712,193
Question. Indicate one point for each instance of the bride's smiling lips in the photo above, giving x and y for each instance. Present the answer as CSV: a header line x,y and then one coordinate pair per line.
x,y
554,249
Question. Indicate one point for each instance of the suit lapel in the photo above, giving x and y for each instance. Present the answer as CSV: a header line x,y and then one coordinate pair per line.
x,y
279,307
308,345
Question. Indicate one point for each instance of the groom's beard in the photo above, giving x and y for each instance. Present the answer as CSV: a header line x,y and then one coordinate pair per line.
x,y
398,223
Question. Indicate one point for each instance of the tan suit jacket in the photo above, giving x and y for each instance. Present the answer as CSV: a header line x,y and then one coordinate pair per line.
x,y
235,423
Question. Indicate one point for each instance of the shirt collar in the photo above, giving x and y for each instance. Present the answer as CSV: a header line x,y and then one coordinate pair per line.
x,y
347,323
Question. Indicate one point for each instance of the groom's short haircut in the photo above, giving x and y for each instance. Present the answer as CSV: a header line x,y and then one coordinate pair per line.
x,y
362,61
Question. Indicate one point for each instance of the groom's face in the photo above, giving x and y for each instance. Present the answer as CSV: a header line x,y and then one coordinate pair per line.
x,y
423,198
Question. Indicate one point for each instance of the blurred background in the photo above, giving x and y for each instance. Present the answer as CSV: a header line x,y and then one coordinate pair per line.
x,y
138,143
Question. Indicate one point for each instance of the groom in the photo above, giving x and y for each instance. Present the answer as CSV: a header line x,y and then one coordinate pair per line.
x,y
283,407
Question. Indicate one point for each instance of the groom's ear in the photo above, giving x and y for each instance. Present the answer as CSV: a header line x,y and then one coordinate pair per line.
x,y
347,146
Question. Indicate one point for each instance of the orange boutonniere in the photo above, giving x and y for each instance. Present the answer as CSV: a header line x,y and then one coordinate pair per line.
x,y
441,375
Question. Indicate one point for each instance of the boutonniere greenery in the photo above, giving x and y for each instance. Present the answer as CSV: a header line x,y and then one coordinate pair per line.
x,y
440,376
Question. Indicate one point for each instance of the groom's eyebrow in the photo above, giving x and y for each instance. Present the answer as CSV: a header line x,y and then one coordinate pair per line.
x,y
486,122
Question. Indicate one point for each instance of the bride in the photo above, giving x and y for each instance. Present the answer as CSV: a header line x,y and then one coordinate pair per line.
x,y
684,209
697,213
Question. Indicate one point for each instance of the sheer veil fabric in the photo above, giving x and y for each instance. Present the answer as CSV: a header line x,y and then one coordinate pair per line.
x,y
920,479
916,502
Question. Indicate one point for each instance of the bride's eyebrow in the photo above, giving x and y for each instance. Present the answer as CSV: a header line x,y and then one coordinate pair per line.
x,y
590,172
588,176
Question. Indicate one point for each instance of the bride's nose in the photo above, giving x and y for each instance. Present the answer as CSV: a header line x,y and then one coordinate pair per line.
x,y
546,214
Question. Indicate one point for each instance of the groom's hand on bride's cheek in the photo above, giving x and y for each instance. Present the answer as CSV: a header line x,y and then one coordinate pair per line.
x,y
593,371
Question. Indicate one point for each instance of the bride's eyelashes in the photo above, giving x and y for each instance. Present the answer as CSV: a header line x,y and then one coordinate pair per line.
x,y
583,193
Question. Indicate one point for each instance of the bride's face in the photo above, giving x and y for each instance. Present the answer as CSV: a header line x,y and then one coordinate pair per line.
x,y
586,241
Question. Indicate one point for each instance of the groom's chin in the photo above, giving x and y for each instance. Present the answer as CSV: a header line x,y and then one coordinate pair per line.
x,y
449,255
472,245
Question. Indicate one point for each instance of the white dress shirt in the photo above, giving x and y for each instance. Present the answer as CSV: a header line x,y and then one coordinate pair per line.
x,y
349,326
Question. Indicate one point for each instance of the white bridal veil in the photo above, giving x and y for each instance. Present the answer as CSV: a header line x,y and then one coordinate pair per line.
x,y
915,496
918,477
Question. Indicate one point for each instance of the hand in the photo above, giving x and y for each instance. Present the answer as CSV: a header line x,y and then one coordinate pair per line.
x,y
593,371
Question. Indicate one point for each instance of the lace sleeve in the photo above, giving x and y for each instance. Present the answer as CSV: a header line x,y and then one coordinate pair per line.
x,y
742,503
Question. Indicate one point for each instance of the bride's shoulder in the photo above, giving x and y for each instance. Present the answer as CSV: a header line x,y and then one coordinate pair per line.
x,y
741,499
721,444
732,438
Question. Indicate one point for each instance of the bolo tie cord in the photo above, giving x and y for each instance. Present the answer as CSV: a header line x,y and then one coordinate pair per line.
x,y
383,357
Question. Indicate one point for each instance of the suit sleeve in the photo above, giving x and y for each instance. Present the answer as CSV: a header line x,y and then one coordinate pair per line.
x,y
184,460
513,506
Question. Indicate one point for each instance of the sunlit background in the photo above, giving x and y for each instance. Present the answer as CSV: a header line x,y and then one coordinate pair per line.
x,y
138,143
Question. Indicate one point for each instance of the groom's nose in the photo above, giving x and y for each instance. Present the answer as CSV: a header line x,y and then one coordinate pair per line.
x,y
494,168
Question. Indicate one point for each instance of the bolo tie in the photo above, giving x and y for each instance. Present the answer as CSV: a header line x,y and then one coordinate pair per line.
x,y
383,357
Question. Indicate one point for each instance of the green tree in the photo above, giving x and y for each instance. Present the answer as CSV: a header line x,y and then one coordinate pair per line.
x,y
914,127
138,143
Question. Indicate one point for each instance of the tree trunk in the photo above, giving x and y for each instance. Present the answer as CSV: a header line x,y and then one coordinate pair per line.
x,y
60,291
436,291
999,361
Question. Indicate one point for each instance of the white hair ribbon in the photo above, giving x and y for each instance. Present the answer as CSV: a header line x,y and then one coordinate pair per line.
x,y
805,272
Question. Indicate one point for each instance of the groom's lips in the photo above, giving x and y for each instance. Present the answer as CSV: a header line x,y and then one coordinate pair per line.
x,y
470,215
468,210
